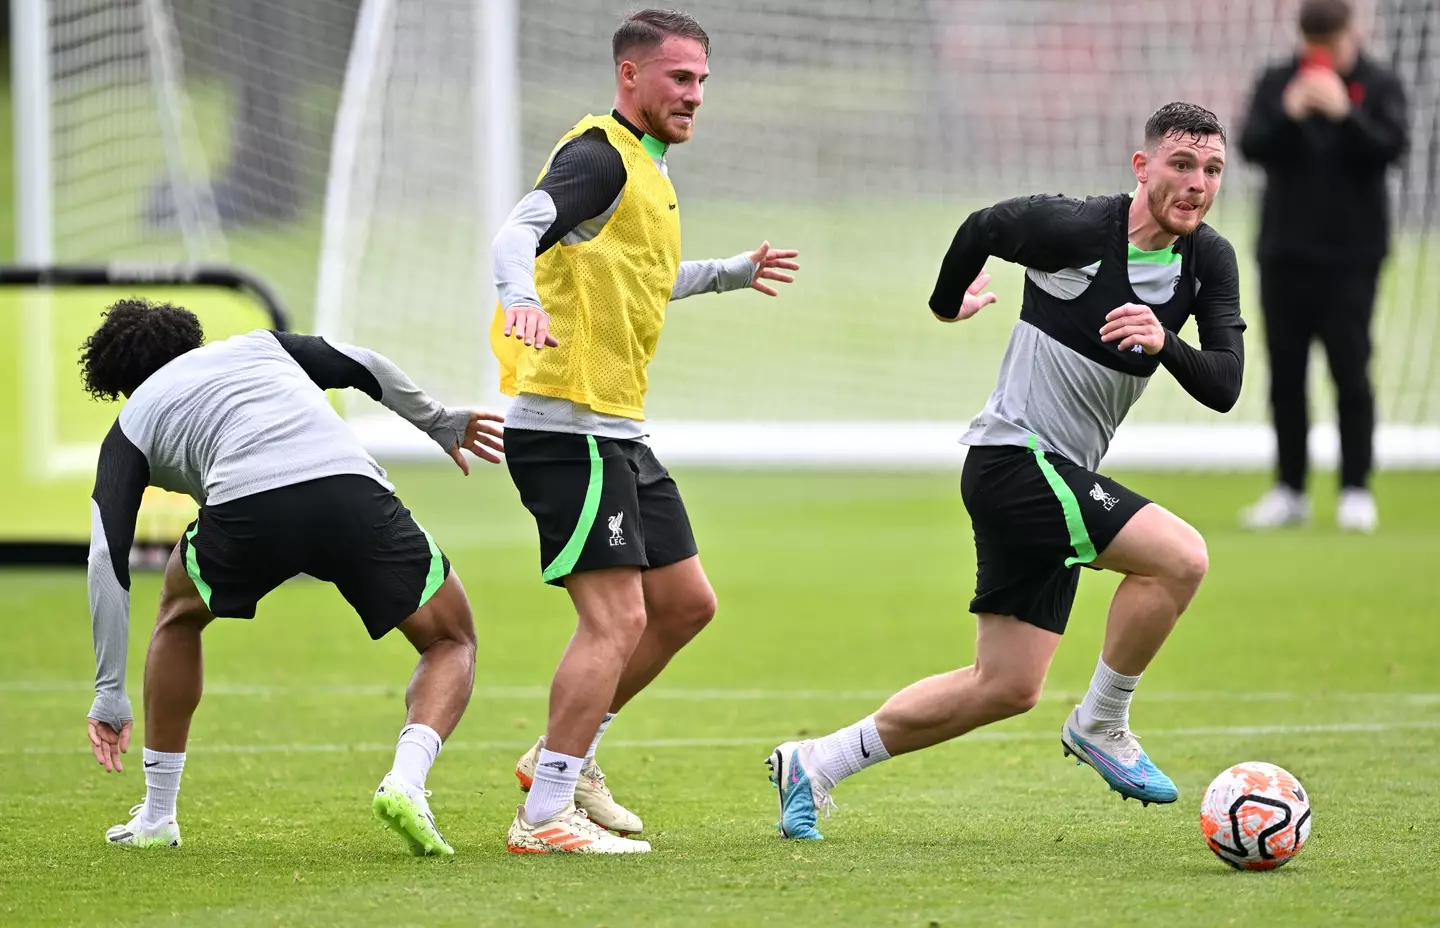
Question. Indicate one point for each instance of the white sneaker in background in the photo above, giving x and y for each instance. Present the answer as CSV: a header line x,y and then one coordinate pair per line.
x,y
1356,512
1280,507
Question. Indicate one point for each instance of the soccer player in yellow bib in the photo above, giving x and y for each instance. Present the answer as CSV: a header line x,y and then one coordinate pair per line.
x,y
585,266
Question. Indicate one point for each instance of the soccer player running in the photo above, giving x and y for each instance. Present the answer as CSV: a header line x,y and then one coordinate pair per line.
x,y
1109,283
585,266
244,428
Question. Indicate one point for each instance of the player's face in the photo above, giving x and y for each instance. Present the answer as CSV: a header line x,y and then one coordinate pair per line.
x,y
1182,177
668,86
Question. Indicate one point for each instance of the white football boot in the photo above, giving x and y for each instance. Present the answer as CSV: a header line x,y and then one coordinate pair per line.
x,y
569,832
134,834
591,794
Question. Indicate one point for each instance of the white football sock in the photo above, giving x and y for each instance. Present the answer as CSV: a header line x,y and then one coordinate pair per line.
x,y
1107,704
847,751
554,786
162,786
604,724
419,746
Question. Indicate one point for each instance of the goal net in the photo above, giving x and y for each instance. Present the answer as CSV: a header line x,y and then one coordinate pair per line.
x,y
387,138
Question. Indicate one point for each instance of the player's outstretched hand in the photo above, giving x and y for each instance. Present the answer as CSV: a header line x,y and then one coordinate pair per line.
x,y
770,263
108,744
1133,324
481,439
974,300
530,324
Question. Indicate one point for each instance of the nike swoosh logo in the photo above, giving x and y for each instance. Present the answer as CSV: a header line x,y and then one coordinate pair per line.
x,y
672,205
1137,778
152,763
863,752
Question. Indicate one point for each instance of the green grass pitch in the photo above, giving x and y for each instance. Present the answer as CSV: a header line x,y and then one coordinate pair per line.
x,y
1310,649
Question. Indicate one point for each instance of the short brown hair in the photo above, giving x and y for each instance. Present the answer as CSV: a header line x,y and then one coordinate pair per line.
x,y
649,28
1182,119
1321,19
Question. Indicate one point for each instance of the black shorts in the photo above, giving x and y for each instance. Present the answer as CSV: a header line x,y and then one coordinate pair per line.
x,y
597,502
1038,518
347,530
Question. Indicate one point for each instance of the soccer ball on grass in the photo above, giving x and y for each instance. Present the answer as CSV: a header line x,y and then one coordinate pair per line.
x,y
1255,816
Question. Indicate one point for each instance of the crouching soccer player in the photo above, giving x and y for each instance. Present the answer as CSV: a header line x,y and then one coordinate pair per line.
x,y
1109,283
243,427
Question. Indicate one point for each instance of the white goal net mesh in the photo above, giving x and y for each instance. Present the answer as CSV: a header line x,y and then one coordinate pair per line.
x,y
345,151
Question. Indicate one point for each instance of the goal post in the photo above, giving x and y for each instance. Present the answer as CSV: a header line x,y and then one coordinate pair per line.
x,y
30,117
422,168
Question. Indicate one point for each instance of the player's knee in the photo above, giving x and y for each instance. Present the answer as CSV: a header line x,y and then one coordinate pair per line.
x,y
620,627
446,617
182,610
1013,695
1192,561
462,633
693,614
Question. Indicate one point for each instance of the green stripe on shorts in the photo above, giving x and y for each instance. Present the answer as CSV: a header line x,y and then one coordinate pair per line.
x,y
1074,522
436,576
192,566
565,561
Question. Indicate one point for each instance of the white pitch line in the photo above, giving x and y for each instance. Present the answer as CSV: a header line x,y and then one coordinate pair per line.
x,y
1240,731
533,693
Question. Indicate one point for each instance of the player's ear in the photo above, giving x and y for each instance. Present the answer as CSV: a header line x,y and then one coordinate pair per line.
x,y
628,71
1141,165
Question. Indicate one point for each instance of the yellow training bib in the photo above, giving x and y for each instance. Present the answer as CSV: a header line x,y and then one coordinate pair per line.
x,y
606,297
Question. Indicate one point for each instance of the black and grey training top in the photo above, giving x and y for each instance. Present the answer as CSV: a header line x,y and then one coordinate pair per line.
x,y
231,419
1058,381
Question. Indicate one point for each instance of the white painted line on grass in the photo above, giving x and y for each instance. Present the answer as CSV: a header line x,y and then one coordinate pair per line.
x,y
198,745
722,694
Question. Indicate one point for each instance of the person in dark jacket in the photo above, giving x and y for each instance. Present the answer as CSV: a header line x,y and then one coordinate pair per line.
x,y
1325,125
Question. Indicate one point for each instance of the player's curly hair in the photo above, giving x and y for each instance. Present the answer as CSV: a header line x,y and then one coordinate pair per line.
x,y
1182,119
649,28
136,339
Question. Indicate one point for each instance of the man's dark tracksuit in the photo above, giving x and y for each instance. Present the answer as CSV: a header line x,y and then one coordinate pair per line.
x,y
1324,231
